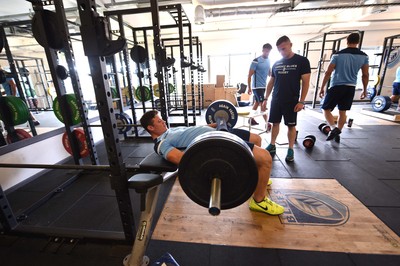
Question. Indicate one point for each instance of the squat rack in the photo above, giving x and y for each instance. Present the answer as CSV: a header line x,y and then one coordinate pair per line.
x,y
319,44
181,20
390,58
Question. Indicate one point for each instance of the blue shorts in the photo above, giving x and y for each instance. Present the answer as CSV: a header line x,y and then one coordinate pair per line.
x,y
244,135
278,109
396,88
259,95
341,95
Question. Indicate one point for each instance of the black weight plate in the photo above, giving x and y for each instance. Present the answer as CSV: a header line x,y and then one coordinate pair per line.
x,y
224,109
122,122
51,29
223,155
62,72
378,103
309,141
139,54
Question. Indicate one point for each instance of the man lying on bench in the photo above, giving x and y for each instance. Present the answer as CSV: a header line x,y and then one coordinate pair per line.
x,y
169,143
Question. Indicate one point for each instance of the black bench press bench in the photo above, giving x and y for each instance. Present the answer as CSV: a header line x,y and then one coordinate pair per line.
x,y
148,186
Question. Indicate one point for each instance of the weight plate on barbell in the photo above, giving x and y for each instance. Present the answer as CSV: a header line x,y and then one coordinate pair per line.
x,y
123,120
380,103
309,141
72,104
81,138
62,72
18,109
143,90
371,93
222,155
223,109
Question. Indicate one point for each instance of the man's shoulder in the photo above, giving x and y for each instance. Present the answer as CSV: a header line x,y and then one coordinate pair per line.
x,y
353,51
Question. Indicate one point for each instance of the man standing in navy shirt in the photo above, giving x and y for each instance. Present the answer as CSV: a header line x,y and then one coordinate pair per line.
x,y
260,69
290,79
343,68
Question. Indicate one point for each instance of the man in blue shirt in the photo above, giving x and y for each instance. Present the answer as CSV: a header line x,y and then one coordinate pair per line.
x,y
289,80
343,68
396,89
169,143
260,69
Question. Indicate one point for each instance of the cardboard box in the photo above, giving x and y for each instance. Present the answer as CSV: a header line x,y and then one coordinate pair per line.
x,y
209,95
245,97
230,95
219,94
220,81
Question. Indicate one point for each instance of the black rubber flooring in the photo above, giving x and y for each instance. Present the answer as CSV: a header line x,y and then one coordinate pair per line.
x,y
366,162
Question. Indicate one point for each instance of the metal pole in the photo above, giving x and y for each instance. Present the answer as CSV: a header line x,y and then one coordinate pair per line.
x,y
215,197
62,166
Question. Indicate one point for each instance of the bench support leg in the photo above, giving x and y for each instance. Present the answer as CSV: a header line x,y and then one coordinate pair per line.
x,y
137,257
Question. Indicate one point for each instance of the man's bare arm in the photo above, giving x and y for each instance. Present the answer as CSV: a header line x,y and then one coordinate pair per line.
x,y
175,156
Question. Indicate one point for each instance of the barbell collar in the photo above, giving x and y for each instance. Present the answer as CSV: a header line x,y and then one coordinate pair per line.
x,y
215,197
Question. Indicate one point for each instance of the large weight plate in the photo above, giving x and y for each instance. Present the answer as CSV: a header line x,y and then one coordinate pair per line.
x,y
73,105
371,93
51,29
18,110
122,121
223,109
146,93
21,134
138,54
80,136
223,155
381,103
156,89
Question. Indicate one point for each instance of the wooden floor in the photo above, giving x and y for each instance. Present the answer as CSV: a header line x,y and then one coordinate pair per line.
x,y
320,215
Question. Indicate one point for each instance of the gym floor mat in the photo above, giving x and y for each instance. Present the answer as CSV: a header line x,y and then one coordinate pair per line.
x,y
303,166
390,215
365,187
320,215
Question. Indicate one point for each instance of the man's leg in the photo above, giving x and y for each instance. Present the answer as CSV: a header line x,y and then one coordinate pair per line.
x,y
329,118
263,109
291,136
264,164
341,119
260,202
274,132
256,139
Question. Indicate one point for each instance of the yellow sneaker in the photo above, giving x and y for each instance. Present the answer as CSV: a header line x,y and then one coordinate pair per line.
x,y
269,182
266,206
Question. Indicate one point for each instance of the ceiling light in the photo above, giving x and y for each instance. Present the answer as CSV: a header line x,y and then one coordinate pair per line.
x,y
199,15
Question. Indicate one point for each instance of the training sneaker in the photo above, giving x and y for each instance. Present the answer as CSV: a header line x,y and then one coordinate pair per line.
x,y
272,149
333,133
266,206
337,139
290,155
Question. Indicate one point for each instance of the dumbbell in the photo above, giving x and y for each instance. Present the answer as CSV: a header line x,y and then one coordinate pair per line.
x,y
309,141
223,113
324,128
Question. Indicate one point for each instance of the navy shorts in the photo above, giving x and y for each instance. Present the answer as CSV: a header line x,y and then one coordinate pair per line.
x,y
396,88
279,109
259,95
341,95
244,135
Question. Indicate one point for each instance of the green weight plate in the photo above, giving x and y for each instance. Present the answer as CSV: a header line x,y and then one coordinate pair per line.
x,y
18,109
146,92
71,100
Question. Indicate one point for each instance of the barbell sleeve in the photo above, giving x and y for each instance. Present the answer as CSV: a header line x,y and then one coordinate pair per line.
x,y
215,197
221,124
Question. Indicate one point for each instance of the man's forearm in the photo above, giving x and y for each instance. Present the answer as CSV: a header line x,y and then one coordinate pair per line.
x,y
365,80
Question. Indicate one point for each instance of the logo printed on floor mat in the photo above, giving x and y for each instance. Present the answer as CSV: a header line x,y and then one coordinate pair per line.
x,y
305,207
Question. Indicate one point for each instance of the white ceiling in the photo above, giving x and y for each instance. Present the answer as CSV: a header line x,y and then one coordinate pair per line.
x,y
308,17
